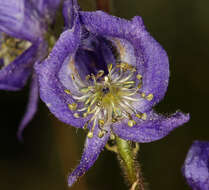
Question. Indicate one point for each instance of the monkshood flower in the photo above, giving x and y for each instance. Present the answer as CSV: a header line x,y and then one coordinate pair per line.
x,y
23,27
196,166
104,75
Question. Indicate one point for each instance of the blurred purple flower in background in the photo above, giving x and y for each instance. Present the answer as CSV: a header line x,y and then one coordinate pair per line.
x,y
105,74
23,28
196,166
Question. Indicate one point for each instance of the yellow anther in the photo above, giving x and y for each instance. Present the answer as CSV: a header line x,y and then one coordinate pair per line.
x,y
99,74
85,114
109,67
138,115
73,77
124,66
90,134
76,115
88,77
150,97
89,109
144,116
106,79
114,120
143,95
67,92
112,136
139,85
72,106
101,122
131,123
85,126
133,69
139,77
99,103
101,134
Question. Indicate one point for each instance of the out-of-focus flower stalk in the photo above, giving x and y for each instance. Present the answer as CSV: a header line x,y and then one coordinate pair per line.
x,y
103,5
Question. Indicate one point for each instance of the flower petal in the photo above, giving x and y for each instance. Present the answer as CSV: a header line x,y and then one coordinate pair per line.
x,y
153,128
31,107
46,7
15,75
52,91
70,10
152,60
196,166
17,20
92,149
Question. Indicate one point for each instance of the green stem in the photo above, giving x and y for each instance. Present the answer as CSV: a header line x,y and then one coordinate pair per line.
x,y
131,169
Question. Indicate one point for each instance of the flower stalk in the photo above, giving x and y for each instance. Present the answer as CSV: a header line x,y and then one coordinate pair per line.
x,y
103,5
131,168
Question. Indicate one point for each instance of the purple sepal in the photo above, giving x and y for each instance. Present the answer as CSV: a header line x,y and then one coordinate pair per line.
x,y
153,128
196,166
14,76
52,91
31,107
19,19
70,11
152,60
46,8
93,147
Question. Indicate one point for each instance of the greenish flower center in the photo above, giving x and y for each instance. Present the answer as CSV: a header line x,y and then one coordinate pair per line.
x,y
108,98
11,48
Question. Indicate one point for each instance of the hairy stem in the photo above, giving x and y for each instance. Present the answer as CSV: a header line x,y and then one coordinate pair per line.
x,y
103,5
131,169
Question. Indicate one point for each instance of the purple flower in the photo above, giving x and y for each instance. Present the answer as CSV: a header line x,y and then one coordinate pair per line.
x,y
105,74
196,166
23,27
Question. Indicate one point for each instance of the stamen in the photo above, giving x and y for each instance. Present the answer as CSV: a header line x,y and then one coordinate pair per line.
x,y
108,99
131,123
72,106
138,76
90,134
67,92
144,116
139,116
99,74
112,136
150,97
143,95
109,68
101,122
76,115
88,77
86,125
101,133
72,77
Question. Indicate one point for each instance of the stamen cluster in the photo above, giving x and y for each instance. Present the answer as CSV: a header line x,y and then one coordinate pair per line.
x,y
108,98
11,48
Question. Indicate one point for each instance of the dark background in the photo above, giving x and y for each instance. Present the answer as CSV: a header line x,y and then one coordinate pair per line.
x,y
52,149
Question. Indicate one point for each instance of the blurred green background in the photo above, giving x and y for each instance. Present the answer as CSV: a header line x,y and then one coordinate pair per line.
x,y
51,149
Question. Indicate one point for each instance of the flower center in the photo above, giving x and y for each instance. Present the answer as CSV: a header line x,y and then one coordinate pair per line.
x,y
11,47
108,99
